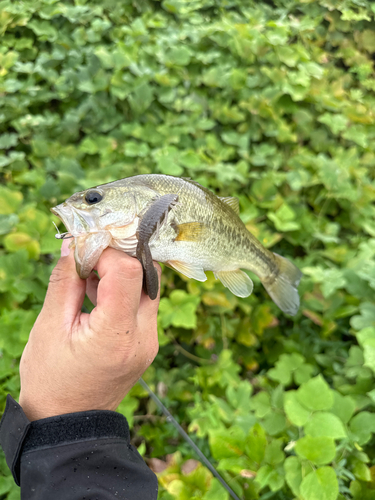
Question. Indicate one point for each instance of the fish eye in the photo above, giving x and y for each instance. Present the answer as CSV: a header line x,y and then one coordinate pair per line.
x,y
93,197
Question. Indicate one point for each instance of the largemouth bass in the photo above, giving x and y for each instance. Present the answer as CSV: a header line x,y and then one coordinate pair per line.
x,y
203,232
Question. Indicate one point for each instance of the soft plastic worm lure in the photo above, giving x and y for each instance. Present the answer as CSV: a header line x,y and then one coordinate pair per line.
x,y
156,214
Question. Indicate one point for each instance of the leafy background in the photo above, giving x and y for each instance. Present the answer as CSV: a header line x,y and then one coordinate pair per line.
x,y
270,101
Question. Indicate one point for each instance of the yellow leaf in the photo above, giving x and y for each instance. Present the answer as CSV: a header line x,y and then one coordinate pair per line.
x,y
9,200
17,241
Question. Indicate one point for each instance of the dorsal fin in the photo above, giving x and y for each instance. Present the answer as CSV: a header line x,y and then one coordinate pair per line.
x,y
232,202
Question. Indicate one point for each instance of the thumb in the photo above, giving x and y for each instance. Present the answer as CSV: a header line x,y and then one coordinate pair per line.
x,y
66,290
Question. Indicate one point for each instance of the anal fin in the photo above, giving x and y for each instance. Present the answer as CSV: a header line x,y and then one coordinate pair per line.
x,y
237,281
189,270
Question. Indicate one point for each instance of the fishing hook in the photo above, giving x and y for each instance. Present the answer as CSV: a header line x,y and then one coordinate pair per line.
x,y
61,236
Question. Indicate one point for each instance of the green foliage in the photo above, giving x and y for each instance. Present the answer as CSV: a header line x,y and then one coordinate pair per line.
x,y
272,102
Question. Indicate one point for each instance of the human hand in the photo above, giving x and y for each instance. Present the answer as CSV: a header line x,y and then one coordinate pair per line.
x,y
75,361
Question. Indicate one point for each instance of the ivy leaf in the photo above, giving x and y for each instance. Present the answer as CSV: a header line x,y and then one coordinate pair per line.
x,y
337,123
325,424
284,219
179,310
363,426
295,411
366,339
8,140
319,450
366,318
343,407
255,445
216,491
179,56
315,394
320,485
10,200
141,98
274,455
227,443
7,222
293,474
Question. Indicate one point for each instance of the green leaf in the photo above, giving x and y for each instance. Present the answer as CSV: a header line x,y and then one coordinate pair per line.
x,y
343,407
295,411
133,148
216,491
315,394
363,426
10,200
293,474
360,470
167,161
366,317
239,397
6,483
226,443
366,339
179,56
7,222
261,404
127,408
8,140
267,476
274,455
319,450
274,423
141,98
284,218
337,123
325,424
320,485
286,365
179,310
255,445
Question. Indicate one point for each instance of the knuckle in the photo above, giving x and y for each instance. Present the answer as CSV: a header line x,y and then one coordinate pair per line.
x,y
131,267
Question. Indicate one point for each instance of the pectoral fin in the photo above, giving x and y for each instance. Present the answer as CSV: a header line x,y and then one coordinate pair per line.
x,y
237,281
189,270
190,231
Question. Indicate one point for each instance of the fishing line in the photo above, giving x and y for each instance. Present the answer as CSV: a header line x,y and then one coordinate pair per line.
x,y
181,431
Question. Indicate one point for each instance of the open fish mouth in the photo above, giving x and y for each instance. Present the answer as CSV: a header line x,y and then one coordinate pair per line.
x,y
77,222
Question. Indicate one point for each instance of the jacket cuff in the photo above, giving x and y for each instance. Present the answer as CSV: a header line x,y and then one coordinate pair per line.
x,y
19,435
14,427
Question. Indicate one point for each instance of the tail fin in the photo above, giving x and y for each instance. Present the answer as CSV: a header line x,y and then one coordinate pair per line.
x,y
283,289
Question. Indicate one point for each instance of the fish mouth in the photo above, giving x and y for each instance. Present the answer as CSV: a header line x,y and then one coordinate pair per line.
x,y
77,222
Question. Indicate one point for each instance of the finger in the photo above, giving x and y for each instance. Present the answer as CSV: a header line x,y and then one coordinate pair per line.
x,y
66,290
92,283
119,288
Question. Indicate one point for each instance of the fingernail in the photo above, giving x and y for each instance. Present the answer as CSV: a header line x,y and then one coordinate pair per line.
x,y
65,250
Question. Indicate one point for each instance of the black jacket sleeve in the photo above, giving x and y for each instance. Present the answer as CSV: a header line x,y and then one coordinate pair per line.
x,y
76,456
